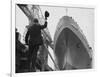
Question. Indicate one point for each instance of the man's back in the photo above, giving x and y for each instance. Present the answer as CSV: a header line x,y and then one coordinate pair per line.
x,y
34,32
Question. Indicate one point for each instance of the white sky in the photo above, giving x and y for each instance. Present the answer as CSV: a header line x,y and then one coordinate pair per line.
x,y
84,18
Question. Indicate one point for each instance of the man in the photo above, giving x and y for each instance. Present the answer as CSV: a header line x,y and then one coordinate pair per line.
x,y
35,40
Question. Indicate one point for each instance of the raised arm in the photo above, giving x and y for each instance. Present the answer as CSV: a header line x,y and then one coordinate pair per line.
x,y
44,26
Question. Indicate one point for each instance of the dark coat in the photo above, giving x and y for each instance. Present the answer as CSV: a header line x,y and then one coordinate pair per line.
x,y
34,34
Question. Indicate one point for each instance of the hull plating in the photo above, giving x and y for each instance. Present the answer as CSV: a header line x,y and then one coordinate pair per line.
x,y
70,45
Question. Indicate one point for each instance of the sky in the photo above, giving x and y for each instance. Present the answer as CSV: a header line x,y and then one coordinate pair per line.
x,y
83,16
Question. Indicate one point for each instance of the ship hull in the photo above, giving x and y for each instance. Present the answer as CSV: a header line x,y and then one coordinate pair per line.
x,y
70,46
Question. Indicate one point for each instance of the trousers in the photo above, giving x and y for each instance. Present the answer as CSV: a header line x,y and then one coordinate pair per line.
x,y
33,49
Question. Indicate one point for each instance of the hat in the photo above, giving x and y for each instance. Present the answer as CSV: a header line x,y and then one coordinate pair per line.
x,y
46,14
